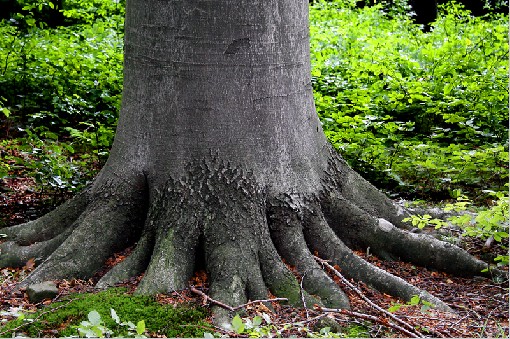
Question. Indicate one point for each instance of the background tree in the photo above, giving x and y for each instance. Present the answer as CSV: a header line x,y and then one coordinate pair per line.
x,y
220,162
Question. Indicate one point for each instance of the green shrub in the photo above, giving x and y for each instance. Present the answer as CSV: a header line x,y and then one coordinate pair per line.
x,y
486,223
63,76
413,111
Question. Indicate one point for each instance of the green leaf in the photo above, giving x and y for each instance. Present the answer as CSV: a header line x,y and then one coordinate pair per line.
x,y
6,111
394,308
94,318
140,327
257,321
30,22
114,316
98,331
237,324
208,335
415,300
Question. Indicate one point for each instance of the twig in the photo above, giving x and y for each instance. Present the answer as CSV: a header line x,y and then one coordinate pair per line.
x,y
258,302
206,297
228,307
381,321
302,293
362,296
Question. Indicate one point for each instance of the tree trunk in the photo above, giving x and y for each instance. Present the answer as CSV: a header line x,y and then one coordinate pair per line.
x,y
220,160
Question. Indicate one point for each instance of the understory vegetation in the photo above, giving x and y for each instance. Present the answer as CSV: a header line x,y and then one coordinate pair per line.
x,y
421,115
112,312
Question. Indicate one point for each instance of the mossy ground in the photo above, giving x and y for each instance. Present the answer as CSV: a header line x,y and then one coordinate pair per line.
x,y
58,319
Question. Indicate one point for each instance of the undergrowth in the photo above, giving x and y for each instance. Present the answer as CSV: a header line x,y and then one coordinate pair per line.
x,y
418,114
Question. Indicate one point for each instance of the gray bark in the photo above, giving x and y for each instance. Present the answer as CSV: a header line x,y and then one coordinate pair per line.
x,y
219,156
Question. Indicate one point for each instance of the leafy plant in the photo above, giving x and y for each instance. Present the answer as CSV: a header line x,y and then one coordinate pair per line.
x,y
415,113
415,301
94,327
489,223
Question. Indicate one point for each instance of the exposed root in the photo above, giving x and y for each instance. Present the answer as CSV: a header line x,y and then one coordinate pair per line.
x,y
51,224
218,217
135,264
280,281
14,255
287,235
341,180
110,223
328,245
406,325
363,231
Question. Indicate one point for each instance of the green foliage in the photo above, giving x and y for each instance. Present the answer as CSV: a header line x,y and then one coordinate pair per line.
x,y
60,84
487,223
53,164
89,11
94,327
63,76
95,138
69,316
263,327
412,111
415,301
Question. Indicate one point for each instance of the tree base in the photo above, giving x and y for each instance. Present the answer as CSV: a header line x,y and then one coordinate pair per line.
x,y
220,217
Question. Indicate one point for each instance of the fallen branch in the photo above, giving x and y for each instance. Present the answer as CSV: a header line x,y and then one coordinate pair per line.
x,y
364,316
228,307
367,300
302,293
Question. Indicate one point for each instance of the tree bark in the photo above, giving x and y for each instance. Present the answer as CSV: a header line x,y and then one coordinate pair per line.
x,y
220,160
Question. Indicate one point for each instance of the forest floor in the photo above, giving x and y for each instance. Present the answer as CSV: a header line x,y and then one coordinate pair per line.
x,y
481,306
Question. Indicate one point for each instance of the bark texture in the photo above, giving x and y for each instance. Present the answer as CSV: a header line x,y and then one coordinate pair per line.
x,y
220,161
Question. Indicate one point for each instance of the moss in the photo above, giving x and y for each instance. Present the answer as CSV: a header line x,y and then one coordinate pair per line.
x,y
181,321
356,331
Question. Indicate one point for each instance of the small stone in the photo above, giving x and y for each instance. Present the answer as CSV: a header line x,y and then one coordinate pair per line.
x,y
39,292
334,326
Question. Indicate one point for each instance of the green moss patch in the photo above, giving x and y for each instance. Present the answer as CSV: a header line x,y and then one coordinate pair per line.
x,y
58,319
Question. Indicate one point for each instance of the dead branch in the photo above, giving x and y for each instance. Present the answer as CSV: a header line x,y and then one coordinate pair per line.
x,y
369,317
302,293
258,302
367,300
228,307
